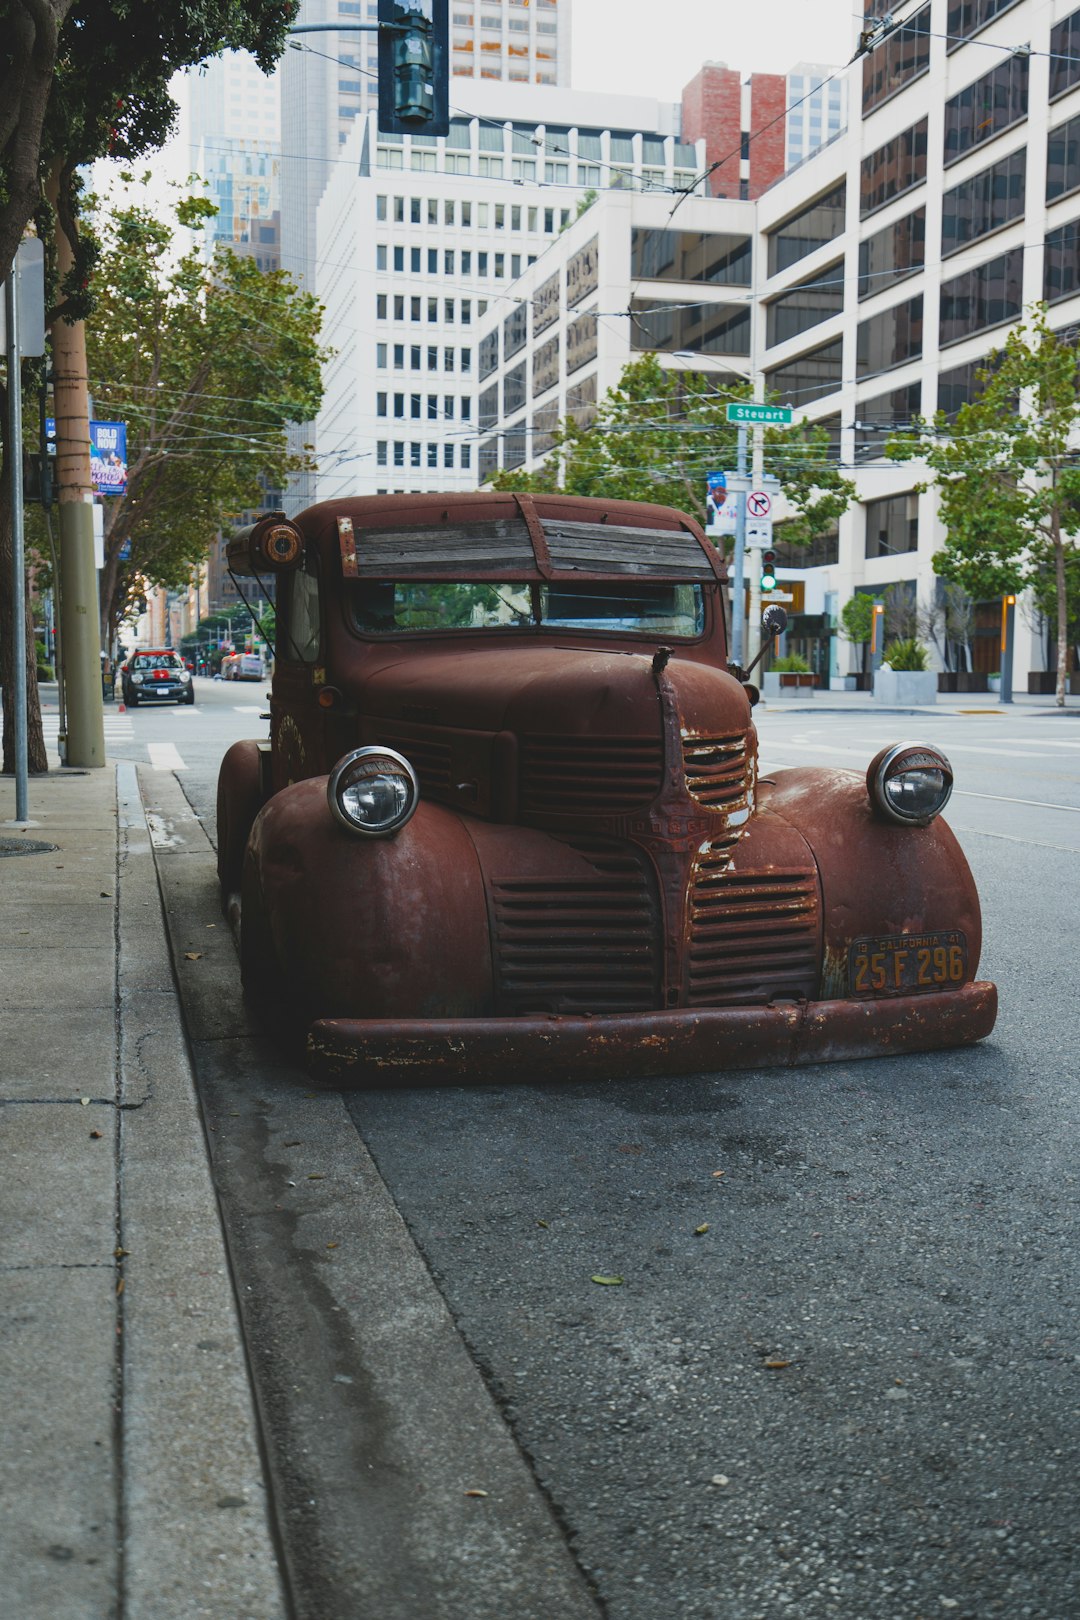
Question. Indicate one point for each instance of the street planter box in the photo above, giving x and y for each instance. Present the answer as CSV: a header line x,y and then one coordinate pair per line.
x,y
962,680
843,683
1042,682
905,687
788,683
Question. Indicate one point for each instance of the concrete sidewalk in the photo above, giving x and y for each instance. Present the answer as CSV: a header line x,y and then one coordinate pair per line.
x,y
131,1480
1023,706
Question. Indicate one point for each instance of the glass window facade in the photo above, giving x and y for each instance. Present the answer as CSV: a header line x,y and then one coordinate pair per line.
x,y
876,419
893,169
983,297
804,306
688,256
1064,55
489,354
701,328
902,55
489,408
515,330
959,386
820,222
982,110
892,526
890,338
1061,262
966,17
983,203
891,254
1063,159
809,376
514,389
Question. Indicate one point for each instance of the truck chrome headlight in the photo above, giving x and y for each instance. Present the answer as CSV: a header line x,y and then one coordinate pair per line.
x,y
373,791
909,783
137,678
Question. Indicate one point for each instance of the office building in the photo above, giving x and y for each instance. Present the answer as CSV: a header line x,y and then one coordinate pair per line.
x,y
420,240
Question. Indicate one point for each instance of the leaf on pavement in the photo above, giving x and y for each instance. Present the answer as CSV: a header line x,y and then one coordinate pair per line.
x,y
607,1282
192,956
699,1231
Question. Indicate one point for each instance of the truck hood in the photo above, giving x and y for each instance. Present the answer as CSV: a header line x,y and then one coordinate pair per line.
x,y
551,689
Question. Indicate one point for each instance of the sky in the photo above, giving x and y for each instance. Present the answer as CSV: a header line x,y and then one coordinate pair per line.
x,y
615,47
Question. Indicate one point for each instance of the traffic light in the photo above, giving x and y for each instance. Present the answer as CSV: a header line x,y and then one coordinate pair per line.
x,y
768,570
414,65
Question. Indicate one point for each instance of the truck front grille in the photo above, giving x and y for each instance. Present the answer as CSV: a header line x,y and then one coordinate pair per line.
x,y
754,936
719,771
589,775
587,944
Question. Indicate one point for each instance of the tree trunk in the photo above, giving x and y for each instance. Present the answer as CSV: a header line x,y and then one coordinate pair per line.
x,y
37,761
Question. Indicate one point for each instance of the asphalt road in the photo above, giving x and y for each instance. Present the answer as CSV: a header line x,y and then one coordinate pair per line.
x,y
838,1377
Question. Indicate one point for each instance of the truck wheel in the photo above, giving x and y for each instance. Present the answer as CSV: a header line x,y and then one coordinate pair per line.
x,y
190,698
239,800
133,701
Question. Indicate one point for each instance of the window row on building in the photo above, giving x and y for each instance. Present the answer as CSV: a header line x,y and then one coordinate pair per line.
x,y
429,408
417,261
418,453
447,311
422,357
467,215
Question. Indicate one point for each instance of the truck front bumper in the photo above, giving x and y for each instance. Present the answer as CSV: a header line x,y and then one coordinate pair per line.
x,y
389,1052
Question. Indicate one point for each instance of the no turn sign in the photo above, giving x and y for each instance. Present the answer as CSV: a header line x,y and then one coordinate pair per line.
x,y
758,504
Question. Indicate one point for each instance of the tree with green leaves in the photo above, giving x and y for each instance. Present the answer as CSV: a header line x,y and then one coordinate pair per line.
x,y
1007,477
79,80
658,433
857,621
84,79
207,365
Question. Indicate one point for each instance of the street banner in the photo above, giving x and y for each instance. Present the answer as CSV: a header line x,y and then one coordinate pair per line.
x,y
108,457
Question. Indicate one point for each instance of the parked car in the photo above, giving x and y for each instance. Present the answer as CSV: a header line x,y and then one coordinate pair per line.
x,y
242,667
155,676
509,820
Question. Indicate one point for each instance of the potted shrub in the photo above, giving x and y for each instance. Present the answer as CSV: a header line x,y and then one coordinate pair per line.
x,y
790,676
904,677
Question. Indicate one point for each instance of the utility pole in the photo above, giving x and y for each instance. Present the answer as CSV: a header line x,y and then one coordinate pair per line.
x,y
79,611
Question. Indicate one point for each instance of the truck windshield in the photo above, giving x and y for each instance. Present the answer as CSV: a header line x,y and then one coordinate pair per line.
x,y
632,607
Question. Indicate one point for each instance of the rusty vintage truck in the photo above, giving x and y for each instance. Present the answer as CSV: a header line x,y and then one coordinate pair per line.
x,y
509,821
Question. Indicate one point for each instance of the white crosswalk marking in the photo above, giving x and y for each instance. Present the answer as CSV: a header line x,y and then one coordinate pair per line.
x,y
117,727
165,757
247,708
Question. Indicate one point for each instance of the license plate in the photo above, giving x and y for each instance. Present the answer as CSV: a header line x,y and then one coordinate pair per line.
x,y
898,964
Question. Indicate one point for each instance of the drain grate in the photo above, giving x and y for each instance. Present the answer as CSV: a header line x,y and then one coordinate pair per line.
x,y
25,846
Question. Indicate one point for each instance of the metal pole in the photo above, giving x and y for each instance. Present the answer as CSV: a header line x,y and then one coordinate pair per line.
x,y
18,564
754,635
1008,615
738,579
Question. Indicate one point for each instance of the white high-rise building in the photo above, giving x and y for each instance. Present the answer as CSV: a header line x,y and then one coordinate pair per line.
x,y
419,241
329,81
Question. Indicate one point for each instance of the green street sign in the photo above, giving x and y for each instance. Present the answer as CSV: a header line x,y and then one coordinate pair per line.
x,y
738,411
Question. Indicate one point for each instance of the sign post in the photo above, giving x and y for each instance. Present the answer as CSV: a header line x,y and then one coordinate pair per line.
x,y
746,412
24,334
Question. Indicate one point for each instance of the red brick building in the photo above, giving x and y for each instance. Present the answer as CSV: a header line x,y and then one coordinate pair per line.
x,y
743,127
